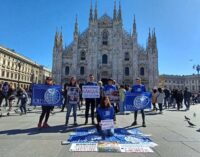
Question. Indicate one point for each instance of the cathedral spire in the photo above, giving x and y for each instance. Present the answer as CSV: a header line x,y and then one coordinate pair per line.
x,y
61,39
76,29
134,26
115,12
95,12
149,39
154,42
56,39
91,13
120,12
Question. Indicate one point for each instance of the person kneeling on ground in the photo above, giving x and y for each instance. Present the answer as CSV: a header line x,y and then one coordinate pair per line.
x,y
105,112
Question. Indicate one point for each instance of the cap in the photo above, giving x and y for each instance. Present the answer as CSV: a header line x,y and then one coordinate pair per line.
x,y
49,78
138,78
110,79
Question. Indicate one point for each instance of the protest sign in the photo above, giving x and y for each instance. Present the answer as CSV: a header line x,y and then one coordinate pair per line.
x,y
83,147
90,91
73,95
128,148
113,95
136,101
107,124
108,147
46,95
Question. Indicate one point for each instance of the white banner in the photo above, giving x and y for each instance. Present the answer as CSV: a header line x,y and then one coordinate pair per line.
x,y
90,91
83,147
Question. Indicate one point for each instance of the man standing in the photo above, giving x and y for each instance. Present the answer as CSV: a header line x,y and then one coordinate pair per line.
x,y
90,101
187,96
138,88
166,99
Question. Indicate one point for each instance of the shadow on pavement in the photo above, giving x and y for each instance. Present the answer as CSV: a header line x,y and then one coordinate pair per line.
x,y
33,131
198,130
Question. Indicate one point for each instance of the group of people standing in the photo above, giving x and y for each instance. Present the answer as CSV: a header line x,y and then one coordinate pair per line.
x,y
101,108
8,94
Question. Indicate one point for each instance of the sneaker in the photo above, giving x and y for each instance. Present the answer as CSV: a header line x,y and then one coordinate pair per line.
x,y
66,123
45,125
143,124
75,123
134,123
39,125
86,122
93,123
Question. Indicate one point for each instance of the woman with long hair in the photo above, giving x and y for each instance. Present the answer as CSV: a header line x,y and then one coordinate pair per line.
x,y
73,99
105,112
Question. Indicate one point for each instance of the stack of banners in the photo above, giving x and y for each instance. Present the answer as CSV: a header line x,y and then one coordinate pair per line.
x,y
73,95
125,140
113,95
137,101
90,91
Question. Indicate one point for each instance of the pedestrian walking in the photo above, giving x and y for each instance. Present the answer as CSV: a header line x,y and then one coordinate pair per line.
x,y
160,99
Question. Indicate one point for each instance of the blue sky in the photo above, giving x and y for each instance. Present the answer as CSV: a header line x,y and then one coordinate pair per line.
x,y
29,27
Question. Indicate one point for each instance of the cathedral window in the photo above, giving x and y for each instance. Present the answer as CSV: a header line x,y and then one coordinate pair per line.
x,y
66,70
104,59
142,71
127,71
83,55
105,37
82,70
126,57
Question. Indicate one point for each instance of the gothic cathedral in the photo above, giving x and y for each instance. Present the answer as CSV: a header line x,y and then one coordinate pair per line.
x,y
106,50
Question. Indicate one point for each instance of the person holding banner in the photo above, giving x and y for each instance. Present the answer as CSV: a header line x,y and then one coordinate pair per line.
x,y
73,91
90,101
45,109
105,117
139,88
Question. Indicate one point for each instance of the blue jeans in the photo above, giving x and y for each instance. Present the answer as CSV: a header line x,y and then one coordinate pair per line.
x,y
121,107
23,107
69,108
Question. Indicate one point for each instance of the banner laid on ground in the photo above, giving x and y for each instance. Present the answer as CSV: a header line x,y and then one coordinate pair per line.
x,y
45,95
124,140
135,101
73,95
90,91
113,95
83,147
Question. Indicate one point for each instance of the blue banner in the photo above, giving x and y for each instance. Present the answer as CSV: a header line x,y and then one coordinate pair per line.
x,y
136,101
46,95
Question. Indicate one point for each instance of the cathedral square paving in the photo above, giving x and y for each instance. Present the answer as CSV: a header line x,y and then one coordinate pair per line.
x,y
20,137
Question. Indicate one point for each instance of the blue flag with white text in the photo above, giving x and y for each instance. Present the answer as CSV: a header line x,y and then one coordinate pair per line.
x,y
137,101
46,95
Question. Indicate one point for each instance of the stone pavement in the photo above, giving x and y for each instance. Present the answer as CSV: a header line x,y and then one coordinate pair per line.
x,y
20,137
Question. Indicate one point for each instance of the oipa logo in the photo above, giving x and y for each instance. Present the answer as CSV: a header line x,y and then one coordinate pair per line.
x,y
140,101
52,96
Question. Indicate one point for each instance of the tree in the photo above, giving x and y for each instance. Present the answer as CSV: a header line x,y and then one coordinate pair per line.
x,y
197,68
